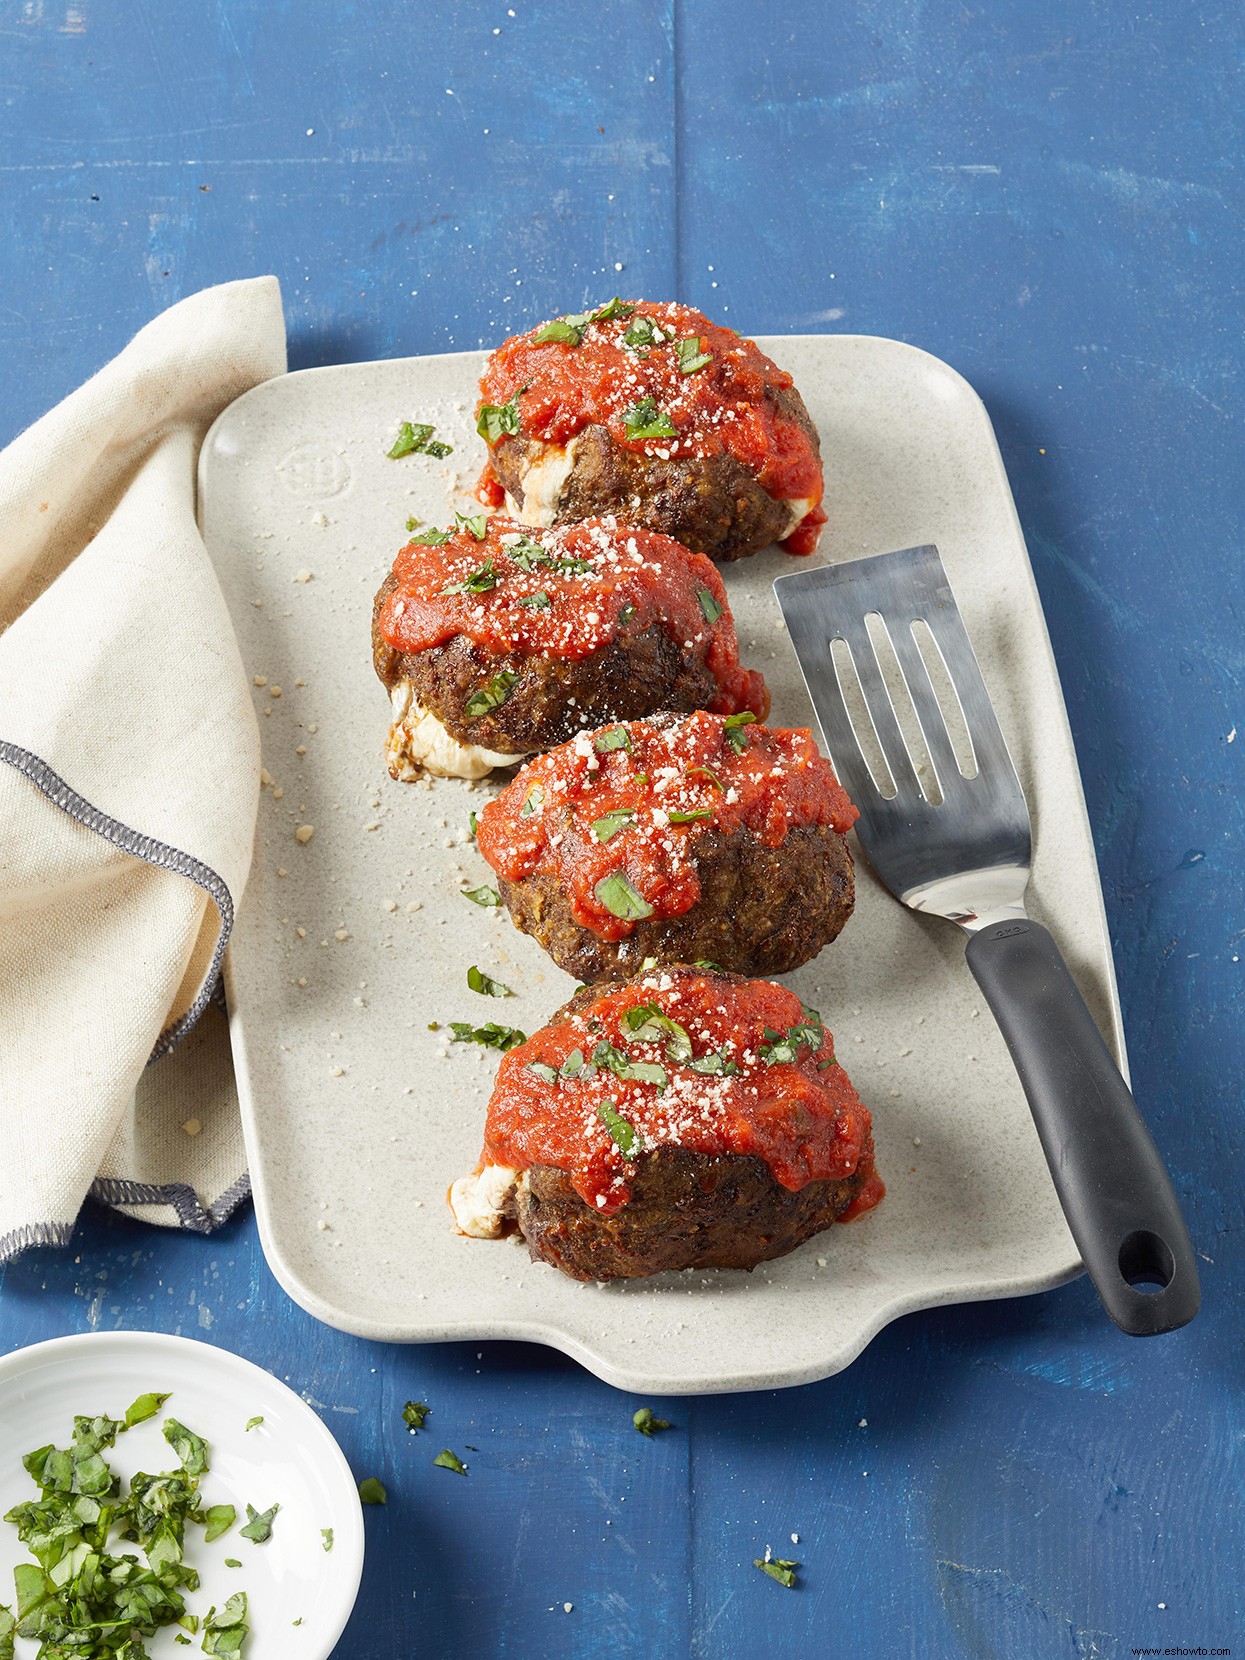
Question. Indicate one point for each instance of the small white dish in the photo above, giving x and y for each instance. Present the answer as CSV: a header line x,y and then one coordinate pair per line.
x,y
290,1459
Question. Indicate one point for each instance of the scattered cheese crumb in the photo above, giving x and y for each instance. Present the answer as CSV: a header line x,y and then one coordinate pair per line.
x,y
264,778
302,576
278,793
304,833
302,980
192,1126
391,904
261,679
281,871
795,1538
415,905
274,691
341,936
567,1606
339,1072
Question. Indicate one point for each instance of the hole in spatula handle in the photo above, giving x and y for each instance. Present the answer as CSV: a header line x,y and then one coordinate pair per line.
x,y
1146,1262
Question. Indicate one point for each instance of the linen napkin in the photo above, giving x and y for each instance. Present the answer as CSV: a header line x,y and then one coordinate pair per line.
x,y
129,786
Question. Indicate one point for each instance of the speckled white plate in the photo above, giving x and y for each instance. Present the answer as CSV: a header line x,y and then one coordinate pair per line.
x,y
358,1116
290,1459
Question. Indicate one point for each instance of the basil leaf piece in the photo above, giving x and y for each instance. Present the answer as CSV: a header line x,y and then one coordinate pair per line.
x,y
646,1072
488,897
563,331
691,358
414,1413
429,539
479,981
625,615
639,332
491,1035
189,1447
612,308
473,820
8,1627
824,1066
777,1568
544,1072
573,1065
326,1538
733,730
533,801
253,1423
645,420
435,447
232,1562
146,1406
611,823
479,582
716,1064
624,1135
496,421
678,816
372,1491
713,968
492,695
538,601
710,606
476,523
705,772
647,1424
647,1024
258,1527
226,1631
621,898
613,737
412,436
413,524
219,1518
446,1460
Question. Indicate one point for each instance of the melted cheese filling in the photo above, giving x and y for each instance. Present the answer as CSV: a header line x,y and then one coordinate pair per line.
x,y
479,1201
418,742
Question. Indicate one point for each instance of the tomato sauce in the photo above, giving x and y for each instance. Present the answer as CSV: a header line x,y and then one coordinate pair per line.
x,y
567,593
721,407
800,1114
631,802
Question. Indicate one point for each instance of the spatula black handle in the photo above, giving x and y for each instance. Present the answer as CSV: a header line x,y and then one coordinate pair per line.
x,y
1114,1188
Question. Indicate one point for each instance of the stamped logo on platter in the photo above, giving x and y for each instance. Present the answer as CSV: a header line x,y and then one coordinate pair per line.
x,y
310,471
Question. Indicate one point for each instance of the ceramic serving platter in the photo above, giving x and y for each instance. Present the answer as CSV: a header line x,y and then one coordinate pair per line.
x,y
350,945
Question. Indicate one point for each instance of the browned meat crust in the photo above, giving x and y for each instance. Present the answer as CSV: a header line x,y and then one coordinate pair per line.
x,y
687,1210
711,504
637,673
762,910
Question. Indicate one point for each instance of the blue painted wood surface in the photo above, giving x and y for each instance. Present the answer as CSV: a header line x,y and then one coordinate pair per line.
x,y
1049,198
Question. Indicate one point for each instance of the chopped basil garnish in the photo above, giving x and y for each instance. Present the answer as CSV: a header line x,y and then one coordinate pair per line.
x,y
372,1491
691,357
490,1036
613,737
473,820
414,1413
573,1065
824,1066
704,772
533,801
710,607
623,1134
563,331
777,1568
488,897
253,1423
716,1064
476,523
479,582
611,823
430,539
413,524
647,1024
733,729
647,1424
225,1633
496,421
678,816
612,308
526,553
704,962
639,332
258,1527
784,1047
146,1406
415,438
326,1538
232,1562
493,695
645,420
189,1447
646,1072
538,601
446,1460
625,615
220,1518
621,898
478,981
545,1073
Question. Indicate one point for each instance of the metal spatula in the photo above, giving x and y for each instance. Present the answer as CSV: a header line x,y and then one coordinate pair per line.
x,y
913,737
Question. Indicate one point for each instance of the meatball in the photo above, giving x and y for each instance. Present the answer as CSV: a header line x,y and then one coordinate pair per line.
x,y
495,642
686,1119
652,412
699,838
